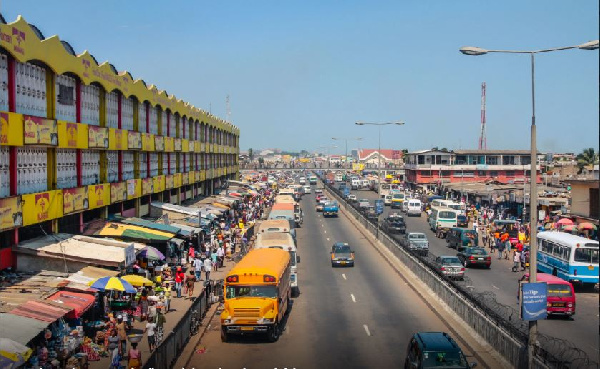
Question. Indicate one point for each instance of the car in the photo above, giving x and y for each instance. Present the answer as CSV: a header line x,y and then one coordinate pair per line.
x,y
387,200
472,256
371,213
363,203
394,225
417,242
450,266
342,255
307,189
352,198
319,207
433,350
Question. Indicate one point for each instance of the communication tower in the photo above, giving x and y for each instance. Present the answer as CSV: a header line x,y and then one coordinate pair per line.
x,y
482,139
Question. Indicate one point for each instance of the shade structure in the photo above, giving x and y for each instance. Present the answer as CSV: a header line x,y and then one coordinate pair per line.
x,y
137,280
549,226
564,221
569,228
151,253
112,283
13,354
586,226
78,302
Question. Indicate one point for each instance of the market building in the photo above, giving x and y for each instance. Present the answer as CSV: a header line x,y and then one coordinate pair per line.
x,y
371,157
80,140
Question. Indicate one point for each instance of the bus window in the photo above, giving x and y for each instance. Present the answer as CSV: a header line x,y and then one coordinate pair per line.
x,y
586,255
446,215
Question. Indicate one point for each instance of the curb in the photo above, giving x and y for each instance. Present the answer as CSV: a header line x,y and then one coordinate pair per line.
x,y
186,355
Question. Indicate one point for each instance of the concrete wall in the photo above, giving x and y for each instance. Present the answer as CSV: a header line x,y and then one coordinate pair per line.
x,y
28,263
580,199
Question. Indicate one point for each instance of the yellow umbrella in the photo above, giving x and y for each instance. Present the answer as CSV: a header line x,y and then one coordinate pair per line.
x,y
137,280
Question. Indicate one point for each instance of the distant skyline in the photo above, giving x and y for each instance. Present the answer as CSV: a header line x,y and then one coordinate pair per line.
x,y
299,73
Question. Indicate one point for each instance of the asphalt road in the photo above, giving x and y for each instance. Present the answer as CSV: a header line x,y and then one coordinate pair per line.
x,y
361,317
582,331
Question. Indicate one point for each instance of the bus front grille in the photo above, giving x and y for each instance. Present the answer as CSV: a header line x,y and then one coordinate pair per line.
x,y
246,312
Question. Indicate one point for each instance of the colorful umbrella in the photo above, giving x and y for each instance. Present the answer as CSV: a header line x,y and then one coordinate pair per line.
x,y
151,253
564,221
112,283
13,354
570,228
137,280
586,226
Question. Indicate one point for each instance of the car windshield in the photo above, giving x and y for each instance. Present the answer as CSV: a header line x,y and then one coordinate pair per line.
x,y
341,249
251,291
450,260
476,251
559,290
398,196
435,359
417,236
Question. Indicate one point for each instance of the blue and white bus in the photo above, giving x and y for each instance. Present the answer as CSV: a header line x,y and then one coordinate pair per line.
x,y
569,257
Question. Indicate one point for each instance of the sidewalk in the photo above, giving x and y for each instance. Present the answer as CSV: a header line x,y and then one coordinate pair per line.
x,y
178,308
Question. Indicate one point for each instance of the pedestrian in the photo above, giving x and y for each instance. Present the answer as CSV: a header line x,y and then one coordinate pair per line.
x,y
190,281
221,254
151,329
191,254
214,258
179,277
516,261
523,258
122,332
207,268
113,349
198,268
135,357
500,246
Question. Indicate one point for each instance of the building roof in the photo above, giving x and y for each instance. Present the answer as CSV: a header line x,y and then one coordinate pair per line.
x,y
492,152
20,329
388,154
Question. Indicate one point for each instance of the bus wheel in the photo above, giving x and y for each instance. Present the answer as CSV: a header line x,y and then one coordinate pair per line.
x,y
273,334
224,335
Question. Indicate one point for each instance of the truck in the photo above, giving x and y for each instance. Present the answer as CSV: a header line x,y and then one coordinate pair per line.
x,y
312,180
330,209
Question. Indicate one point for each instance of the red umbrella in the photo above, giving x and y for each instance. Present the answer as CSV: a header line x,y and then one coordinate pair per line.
x,y
586,226
564,221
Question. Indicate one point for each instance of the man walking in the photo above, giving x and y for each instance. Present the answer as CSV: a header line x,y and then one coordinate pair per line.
x,y
198,268
207,268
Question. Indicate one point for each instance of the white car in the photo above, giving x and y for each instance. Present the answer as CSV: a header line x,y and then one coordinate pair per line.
x,y
307,189
387,201
302,181
352,198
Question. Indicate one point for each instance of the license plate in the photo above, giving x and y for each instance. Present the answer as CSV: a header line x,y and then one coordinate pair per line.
x,y
343,263
247,328
558,304
479,258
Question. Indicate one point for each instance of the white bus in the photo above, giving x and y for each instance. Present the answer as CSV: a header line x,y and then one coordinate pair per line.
x,y
568,257
442,217
284,241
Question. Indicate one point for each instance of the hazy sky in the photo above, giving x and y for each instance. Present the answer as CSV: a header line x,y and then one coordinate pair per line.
x,y
301,72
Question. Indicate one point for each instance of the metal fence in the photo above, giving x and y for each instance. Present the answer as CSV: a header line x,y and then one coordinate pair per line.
x,y
500,325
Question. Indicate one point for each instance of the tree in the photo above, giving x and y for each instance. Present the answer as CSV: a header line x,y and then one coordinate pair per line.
x,y
251,154
587,157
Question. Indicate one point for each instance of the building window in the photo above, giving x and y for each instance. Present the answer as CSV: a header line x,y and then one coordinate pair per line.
x,y
445,173
508,160
481,173
420,159
494,173
510,173
425,173
491,160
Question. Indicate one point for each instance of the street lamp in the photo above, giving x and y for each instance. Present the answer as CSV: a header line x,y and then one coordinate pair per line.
x,y
397,123
469,50
328,147
346,139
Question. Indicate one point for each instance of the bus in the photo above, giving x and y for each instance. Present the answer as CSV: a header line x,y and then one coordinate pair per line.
x,y
257,294
283,241
397,199
442,219
569,257
277,226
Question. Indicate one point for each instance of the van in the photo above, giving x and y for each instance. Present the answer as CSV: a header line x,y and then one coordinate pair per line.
x,y
561,295
355,183
414,207
435,349
459,238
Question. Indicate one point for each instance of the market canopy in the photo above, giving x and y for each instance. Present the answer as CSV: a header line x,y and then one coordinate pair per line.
x,y
78,302
132,232
19,328
40,310
152,225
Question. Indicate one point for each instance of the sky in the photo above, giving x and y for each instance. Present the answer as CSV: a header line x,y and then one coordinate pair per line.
x,y
298,73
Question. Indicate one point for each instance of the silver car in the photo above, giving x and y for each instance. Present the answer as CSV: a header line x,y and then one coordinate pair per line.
x,y
418,243
451,267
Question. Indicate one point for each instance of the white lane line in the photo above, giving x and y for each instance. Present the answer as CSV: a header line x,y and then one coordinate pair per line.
x,y
344,276
367,330
353,298
327,238
324,231
495,287
322,225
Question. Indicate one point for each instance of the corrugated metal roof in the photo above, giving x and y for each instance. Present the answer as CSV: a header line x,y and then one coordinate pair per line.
x,y
19,328
152,225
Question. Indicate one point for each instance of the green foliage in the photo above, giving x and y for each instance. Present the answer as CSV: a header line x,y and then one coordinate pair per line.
x,y
588,157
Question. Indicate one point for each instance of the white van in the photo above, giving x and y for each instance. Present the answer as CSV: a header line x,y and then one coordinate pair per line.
x,y
387,200
414,207
355,183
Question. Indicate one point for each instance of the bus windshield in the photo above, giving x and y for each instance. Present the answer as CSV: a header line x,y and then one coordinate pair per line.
x,y
586,255
251,291
447,215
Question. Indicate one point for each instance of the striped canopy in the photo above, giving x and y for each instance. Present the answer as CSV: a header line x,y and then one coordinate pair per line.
x,y
112,283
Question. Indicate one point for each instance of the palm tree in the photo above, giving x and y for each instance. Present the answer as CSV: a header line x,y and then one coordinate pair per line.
x,y
587,157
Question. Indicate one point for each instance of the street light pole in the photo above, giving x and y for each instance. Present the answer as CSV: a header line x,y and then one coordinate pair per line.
x,y
533,195
346,140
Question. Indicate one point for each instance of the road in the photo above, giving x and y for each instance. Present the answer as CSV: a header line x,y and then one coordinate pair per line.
x,y
360,317
582,332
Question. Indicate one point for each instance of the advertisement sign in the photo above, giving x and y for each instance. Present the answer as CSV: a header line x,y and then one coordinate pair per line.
x,y
118,192
177,181
98,195
40,131
134,188
11,129
134,140
40,207
11,213
534,298
192,177
185,145
147,186
169,145
147,142
97,137
177,144
117,139
169,182
185,179
159,183
129,255
159,143
72,135
379,204
357,167
75,199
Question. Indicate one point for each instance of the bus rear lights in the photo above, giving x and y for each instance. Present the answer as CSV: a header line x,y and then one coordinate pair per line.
x,y
233,279
268,278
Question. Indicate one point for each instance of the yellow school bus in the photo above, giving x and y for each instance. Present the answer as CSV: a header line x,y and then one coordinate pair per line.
x,y
257,294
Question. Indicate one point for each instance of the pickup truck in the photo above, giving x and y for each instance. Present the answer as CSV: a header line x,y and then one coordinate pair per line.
x,y
330,209
418,243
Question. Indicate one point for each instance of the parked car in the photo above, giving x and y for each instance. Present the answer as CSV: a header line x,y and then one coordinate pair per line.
x,y
435,349
394,225
418,242
470,256
342,255
450,266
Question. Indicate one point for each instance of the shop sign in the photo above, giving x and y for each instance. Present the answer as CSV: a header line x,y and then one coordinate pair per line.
x,y
98,137
159,183
169,181
177,180
40,131
129,255
72,135
169,144
148,142
118,192
118,139
134,140
159,143
11,129
40,207
192,177
197,146
11,213
134,188
185,179
75,199
147,186
98,195
177,144
185,145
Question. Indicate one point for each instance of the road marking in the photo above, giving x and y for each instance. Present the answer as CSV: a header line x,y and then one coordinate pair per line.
x,y
324,231
343,275
353,298
327,238
367,330
495,287
322,225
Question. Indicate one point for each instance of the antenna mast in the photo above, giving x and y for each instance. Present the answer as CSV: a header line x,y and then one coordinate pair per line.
x,y
482,139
